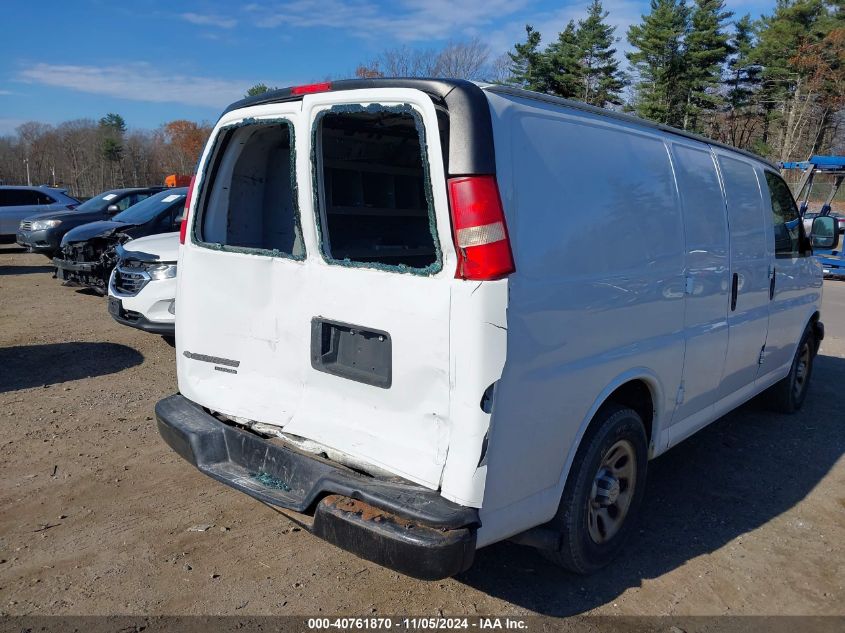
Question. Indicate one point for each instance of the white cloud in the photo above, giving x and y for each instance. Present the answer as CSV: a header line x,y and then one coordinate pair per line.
x,y
8,125
409,20
210,19
138,81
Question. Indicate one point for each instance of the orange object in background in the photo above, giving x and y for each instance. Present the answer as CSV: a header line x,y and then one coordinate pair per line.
x,y
177,180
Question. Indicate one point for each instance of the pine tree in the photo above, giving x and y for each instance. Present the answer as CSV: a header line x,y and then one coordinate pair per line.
x,y
601,80
258,89
743,74
528,68
561,67
742,82
782,40
705,52
657,60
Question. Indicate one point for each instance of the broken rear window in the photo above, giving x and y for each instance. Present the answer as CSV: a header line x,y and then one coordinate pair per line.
x,y
373,189
251,203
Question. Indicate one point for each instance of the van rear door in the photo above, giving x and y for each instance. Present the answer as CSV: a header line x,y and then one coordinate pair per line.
x,y
314,289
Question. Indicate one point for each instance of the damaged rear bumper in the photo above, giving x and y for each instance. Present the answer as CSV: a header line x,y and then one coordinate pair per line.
x,y
398,525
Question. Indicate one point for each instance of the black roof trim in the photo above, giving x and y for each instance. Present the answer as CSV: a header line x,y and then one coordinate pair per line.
x,y
470,126
585,107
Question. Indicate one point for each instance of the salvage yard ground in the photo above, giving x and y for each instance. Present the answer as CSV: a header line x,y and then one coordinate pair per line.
x,y
99,516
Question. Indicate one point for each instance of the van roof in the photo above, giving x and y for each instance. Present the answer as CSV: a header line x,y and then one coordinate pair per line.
x,y
629,118
471,152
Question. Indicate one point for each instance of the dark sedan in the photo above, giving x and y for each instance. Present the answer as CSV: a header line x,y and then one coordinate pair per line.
x,y
43,233
87,253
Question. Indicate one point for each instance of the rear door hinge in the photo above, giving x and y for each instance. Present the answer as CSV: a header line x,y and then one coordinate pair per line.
x,y
680,397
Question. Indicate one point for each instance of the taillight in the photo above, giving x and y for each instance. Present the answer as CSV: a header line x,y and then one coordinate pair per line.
x,y
183,228
480,231
311,88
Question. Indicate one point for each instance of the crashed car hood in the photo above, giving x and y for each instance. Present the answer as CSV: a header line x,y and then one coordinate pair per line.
x,y
163,247
103,228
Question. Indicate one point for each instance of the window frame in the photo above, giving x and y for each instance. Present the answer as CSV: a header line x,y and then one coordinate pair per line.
x,y
222,140
802,248
319,194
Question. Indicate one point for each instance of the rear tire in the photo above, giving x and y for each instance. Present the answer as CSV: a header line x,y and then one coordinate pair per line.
x,y
788,395
603,493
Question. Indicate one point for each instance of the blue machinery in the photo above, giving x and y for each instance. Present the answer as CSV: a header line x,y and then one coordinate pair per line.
x,y
833,263
831,165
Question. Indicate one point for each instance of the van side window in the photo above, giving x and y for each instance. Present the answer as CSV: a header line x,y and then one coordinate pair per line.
x,y
785,217
251,199
373,195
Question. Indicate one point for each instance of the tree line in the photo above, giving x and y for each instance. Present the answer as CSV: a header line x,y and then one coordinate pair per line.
x,y
775,85
87,156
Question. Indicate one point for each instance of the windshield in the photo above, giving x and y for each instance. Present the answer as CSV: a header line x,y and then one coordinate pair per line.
x,y
150,208
98,203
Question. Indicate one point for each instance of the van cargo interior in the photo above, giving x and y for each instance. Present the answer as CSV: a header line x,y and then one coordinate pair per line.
x,y
373,198
252,202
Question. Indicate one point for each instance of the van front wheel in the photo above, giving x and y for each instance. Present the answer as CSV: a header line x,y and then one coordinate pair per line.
x,y
603,492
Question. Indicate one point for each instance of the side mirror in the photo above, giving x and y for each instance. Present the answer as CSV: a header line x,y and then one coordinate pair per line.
x,y
825,232
112,209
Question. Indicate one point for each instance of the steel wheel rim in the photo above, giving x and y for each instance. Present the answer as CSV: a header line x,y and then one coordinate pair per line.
x,y
802,368
612,492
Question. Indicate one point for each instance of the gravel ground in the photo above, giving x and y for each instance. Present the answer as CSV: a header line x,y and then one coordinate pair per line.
x,y
747,517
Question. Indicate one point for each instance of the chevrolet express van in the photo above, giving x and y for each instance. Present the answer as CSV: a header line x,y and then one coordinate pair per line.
x,y
430,315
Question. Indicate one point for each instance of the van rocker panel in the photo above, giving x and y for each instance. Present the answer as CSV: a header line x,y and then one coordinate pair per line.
x,y
396,524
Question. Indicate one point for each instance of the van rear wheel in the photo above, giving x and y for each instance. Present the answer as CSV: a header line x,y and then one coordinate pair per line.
x,y
789,394
603,492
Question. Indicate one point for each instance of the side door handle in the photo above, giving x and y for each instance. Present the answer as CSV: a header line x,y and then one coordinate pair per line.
x,y
734,288
772,283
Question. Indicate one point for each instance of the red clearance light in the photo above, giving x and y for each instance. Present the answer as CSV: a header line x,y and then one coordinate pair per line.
x,y
480,231
311,88
183,228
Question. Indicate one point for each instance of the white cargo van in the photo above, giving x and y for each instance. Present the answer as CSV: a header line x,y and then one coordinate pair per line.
x,y
431,315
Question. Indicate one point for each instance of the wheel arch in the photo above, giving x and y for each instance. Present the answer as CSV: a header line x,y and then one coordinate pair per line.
x,y
639,389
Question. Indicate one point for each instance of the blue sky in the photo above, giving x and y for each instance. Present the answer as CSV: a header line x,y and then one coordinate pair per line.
x,y
154,61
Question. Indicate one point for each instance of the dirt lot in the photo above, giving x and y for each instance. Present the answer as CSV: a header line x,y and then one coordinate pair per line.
x,y
748,517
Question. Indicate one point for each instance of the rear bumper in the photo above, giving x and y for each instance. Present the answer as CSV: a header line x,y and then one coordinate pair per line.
x,y
398,525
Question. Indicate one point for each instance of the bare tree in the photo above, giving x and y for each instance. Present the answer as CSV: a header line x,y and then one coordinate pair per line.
x,y
458,60
73,154
463,60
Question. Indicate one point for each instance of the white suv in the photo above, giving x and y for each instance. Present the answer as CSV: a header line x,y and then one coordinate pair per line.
x,y
142,288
